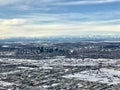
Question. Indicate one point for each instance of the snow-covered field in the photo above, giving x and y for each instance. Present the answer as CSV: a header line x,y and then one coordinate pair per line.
x,y
61,67
62,61
2,83
108,76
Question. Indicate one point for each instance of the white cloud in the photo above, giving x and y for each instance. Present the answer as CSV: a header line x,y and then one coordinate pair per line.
x,y
11,22
8,2
98,18
40,3
81,2
55,29
39,25
27,2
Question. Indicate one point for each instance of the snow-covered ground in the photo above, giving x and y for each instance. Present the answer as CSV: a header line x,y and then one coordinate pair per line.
x,y
62,61
108,76
2,83
65,68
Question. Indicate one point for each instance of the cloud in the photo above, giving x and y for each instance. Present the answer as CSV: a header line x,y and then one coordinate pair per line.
x,y
27,2
11,22
46,24
82,2
98,18
30,18
8,2
56,29
46,3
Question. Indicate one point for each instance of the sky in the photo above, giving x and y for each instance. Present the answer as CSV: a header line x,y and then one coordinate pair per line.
x,y
44,18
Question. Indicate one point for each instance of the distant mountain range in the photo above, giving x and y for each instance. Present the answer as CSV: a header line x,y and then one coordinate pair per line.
x,y
65,38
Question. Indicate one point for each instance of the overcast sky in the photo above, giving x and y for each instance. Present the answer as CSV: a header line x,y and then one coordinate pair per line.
x,y
41,18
